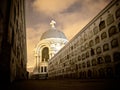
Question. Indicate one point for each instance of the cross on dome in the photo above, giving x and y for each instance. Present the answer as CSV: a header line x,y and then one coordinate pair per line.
x,y
52,23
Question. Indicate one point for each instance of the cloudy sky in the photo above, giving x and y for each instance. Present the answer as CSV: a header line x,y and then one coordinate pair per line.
x,y
70,16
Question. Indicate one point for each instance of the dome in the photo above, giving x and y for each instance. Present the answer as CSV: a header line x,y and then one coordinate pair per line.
x,y
53,33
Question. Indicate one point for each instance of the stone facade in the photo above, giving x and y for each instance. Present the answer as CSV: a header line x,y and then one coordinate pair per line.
x,y
13,57
50,43
94,52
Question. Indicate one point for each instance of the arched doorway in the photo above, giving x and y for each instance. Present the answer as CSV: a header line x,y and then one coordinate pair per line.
x,y
45,54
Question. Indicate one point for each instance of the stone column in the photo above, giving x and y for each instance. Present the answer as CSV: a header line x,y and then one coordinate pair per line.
x,y
38,63
50,54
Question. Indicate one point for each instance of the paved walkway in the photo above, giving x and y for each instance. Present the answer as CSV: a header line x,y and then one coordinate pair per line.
x,y
66,85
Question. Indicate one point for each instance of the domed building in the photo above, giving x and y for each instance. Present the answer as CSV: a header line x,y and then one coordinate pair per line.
x,y
50,43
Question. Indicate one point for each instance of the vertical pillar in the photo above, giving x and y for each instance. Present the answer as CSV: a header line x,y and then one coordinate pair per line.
x,y
38,63
50,56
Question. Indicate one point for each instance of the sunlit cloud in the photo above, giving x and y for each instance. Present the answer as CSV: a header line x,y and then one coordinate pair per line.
x,y
51,7
70,16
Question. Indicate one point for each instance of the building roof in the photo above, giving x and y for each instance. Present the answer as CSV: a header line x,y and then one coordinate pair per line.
x,y
53,33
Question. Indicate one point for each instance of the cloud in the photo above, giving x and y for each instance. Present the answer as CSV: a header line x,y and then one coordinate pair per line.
x,y
70,16
51,7
31,41
72,23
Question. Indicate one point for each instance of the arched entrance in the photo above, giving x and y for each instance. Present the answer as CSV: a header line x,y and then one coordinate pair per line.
x,y
45,54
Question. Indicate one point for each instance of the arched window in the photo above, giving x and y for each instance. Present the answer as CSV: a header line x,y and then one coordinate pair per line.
x,y
100,60
95,30
114,43
83,56
88,63
41,68
90,33
97,40
71,47
67,56
107,58
83,64
110,19
79,58
102,25
101,73
92,52
116,56
45,54
79,65
94,62
84,74
45,69
87,54
91,43
80,74
98,50
117,13
82,48
103,35
112,30
76,66
94,73
106,47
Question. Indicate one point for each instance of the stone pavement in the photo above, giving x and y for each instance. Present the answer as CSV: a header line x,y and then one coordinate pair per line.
x,y
66,85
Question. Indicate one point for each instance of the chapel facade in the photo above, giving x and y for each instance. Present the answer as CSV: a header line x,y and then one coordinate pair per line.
x,y
50,43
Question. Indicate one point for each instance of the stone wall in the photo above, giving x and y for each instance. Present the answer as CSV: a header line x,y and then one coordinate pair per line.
x,y
94,52
13,57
